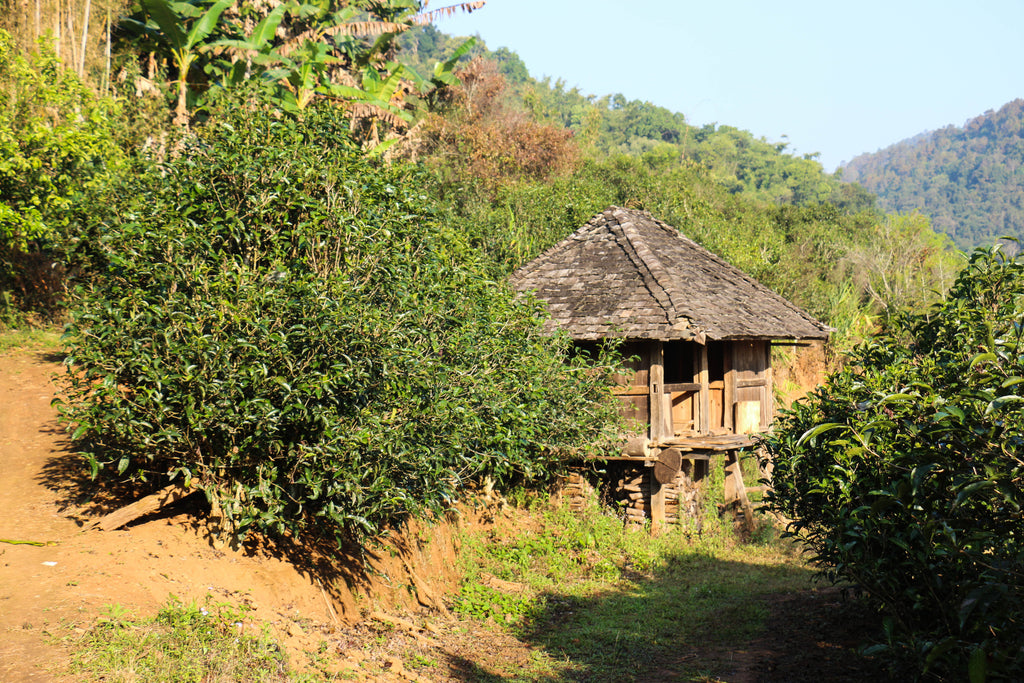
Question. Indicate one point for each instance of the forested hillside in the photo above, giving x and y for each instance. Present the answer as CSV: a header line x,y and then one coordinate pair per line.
x,y
969,180
609,125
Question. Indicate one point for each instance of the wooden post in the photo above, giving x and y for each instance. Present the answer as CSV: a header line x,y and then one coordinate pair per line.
x,y
656,383
656,386
705,392
657,505
769,388
729,394
736,490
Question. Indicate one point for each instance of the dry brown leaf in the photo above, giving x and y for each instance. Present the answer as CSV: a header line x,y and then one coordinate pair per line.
x,y
425,18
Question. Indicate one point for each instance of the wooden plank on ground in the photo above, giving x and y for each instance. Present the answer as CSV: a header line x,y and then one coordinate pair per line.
x,y
144,506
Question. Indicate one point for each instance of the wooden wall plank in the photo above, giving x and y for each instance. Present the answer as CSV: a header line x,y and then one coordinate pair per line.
x,y
730,386
705,397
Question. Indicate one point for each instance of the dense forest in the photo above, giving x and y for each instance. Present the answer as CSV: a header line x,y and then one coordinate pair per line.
x,y
969,180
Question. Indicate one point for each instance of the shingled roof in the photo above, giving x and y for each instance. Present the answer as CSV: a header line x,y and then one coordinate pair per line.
x,y
627,274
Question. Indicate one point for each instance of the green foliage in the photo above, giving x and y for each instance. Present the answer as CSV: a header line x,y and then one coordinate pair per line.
x,y
292,325
904,475
56,143
298,51
57,150
969,180
181,643
733,159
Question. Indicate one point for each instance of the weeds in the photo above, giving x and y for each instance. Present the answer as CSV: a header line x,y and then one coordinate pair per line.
x,y
28,337
181,643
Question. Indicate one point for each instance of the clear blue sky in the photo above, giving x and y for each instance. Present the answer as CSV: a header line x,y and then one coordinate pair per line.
x,y
837,78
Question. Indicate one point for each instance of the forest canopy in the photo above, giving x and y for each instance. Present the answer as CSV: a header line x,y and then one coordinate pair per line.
x,y
969,180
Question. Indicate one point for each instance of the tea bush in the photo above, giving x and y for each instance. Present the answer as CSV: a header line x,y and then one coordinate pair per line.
x,y
904,474
291,324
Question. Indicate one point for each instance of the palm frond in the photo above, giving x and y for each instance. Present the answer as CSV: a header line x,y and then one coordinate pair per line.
x,y
366,110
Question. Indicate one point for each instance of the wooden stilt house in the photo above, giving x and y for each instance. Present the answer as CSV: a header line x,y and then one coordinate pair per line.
x,y
699,330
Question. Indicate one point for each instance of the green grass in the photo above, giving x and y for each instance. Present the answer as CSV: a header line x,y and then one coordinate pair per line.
x,y
181,644
602,602
42,338
548,595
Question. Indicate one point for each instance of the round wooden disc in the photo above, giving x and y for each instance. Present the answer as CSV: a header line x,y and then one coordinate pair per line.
x,y
668,465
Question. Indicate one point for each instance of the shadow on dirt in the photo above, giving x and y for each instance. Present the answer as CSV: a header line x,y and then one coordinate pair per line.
x,y
86,500
56,357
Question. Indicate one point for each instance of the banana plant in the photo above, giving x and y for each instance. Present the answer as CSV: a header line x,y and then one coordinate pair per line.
x,y
255,49
180,29
328,46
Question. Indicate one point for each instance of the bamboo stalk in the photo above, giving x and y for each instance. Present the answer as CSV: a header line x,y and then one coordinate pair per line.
x,y
106,71
85,38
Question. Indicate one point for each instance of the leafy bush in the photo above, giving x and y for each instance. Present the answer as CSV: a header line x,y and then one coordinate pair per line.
x,y
57,148
290,324
905,475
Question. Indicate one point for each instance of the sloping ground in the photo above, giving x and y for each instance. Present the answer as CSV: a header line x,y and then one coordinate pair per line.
x,y
57,577
54,572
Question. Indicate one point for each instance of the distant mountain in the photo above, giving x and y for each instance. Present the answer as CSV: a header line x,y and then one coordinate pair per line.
x,y
969,180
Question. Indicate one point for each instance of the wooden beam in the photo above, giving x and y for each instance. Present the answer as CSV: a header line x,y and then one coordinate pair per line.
x,y
631,391
769,389
656,385
745,383
736,490
682,386
705,391
144,506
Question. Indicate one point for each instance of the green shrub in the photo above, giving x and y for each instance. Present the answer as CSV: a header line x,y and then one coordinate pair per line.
x,y
905,475
291,324
57,150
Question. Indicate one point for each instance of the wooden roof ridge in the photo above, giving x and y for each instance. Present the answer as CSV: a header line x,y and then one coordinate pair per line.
x,y
654,273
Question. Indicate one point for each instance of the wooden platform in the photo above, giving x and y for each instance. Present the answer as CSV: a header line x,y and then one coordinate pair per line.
x,y
715,443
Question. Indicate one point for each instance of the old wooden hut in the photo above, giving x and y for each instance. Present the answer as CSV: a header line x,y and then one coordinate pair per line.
x,y
700,333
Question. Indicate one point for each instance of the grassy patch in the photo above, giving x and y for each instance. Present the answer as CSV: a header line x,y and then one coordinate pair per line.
x,y
182,643
600,602
42,338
